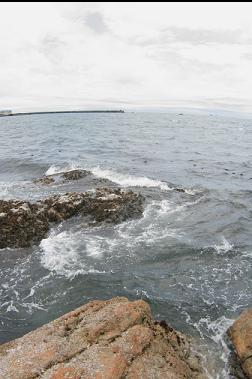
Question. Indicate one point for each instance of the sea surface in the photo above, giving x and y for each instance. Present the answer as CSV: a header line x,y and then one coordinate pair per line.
x,y
189,255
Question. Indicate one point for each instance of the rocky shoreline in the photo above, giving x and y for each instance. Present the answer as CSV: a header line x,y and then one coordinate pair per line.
x,y
24,224
116,339
240,334
102,339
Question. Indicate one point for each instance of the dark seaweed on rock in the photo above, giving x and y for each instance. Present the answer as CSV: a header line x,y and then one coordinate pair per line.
x,y
24,224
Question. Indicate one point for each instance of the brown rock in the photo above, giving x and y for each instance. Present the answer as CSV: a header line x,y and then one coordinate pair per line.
x,y
103,340
240,334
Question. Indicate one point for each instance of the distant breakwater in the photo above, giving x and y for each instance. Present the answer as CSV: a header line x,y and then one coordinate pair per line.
x,y
61,112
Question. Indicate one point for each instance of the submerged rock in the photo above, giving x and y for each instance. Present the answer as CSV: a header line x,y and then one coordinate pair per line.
x,y
111,339
240,334
23,224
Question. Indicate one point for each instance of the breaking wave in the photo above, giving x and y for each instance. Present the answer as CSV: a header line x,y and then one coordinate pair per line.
x,y
124,180
61,253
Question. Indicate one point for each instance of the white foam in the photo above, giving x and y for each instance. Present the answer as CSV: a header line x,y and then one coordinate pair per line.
x,y
54,169
32,292
215,367
125,180
217,328
247,254
31,306
61,254
224,247
94,248
12,308
5,190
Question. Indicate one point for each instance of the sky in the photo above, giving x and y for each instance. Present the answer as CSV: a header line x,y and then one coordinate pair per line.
x,y
132,56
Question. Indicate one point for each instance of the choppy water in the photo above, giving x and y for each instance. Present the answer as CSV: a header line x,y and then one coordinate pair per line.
x,y
189,255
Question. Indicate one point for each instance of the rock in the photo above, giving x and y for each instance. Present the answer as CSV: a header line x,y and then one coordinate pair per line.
x,y
235,369
240,334
65,176
75,174
111,339
180,190
102,205
46,180
24,224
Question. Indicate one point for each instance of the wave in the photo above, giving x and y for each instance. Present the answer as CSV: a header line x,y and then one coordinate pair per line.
x,y
215,330
71,253
124,180
247,254
54,169
224,247
61,254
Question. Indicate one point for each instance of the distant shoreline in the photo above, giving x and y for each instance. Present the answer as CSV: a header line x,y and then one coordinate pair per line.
x,y
60,112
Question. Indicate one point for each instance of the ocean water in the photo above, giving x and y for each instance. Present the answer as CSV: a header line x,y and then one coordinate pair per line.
x,y
189,255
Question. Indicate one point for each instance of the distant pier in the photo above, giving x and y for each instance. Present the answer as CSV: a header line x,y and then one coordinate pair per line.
x,y
10,114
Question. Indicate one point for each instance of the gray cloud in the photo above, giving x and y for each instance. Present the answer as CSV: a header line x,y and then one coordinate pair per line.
x,y
204,36
173,59
52,47
176,34
99,54
95,21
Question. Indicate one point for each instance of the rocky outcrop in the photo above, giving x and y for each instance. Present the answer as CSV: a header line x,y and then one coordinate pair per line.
x,y
45,181
240,334
63,176
23,224
112,339
75,174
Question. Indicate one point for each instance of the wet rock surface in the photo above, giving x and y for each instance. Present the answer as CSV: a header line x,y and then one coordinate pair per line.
x,y
81,177
63,177
46,180
24,224
103,339
75,174
240,334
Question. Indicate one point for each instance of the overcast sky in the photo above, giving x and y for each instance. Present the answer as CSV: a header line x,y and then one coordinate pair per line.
x,y
125,55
